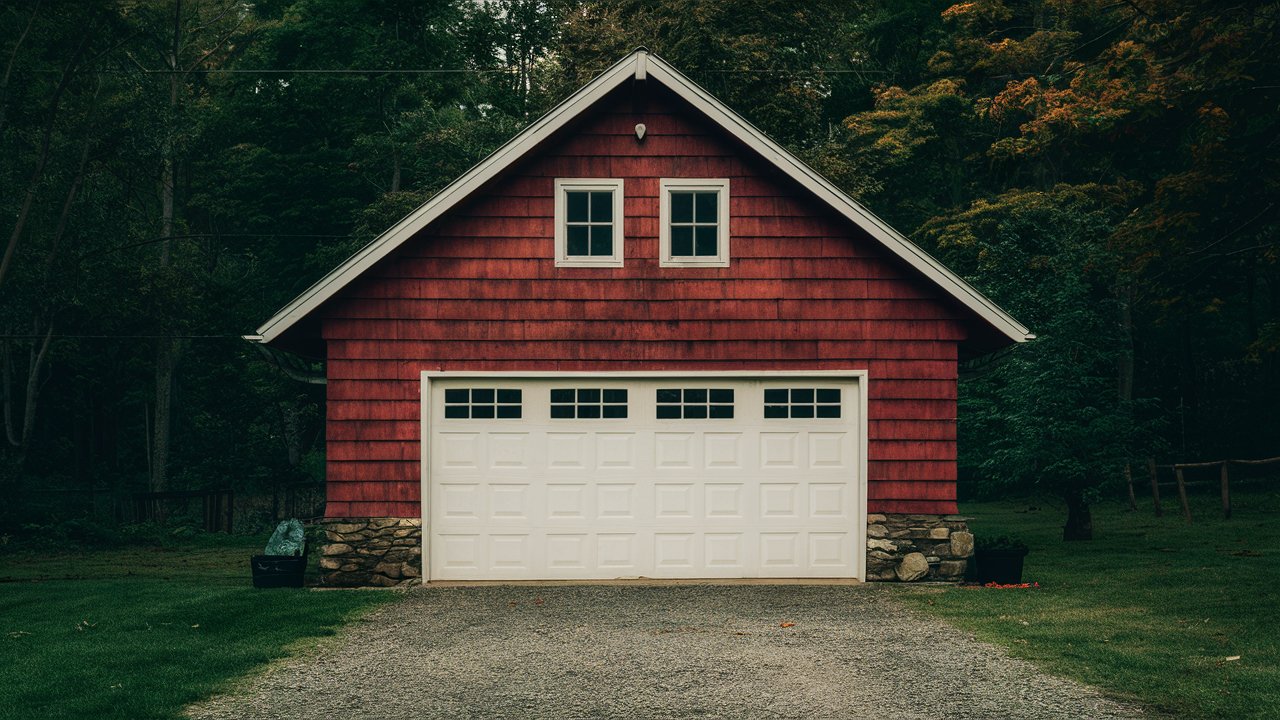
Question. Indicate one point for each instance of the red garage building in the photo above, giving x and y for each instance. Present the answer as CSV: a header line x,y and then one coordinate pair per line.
x,y
641,340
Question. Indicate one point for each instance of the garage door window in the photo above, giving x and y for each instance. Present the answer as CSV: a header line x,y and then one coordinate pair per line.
x,y
695,403
588,403
802,403
482,403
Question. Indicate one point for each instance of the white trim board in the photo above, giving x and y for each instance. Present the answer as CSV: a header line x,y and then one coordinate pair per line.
x,y
639,65
863,427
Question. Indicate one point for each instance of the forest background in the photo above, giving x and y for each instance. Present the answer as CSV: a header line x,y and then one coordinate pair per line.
x,y
174,171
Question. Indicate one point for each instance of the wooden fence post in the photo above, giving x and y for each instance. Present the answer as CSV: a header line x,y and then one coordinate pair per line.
x,y
1226,492
1182,494
1128,476
1155,487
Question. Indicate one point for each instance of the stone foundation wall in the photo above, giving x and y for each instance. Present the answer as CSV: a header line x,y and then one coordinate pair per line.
x,y
908,548
388,551
371,551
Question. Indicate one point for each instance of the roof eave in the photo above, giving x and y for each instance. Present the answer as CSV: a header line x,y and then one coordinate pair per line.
x,y
639,65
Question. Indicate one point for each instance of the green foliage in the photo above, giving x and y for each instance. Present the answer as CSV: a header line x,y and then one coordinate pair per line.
x,y
998,543
1049,415
1103,170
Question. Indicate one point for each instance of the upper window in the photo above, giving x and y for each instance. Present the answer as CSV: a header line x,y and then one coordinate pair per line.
x,y
694,223
588,223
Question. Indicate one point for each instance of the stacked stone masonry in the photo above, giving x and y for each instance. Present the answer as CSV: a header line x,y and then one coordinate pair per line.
x,y
371,551
908,548
388,551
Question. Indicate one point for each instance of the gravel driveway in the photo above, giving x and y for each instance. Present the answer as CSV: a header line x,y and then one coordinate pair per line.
x,y
703,651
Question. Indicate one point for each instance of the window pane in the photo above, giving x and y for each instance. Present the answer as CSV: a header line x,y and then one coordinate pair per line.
x,y
695,396
669,396
801,411
576,202
508,412
681,241
601,240
562,395
707,241
721,412
482,411
697,412
668,412
705,207
615,396
615,411
508,396
482,396
776,395
681,207
828,395
802,395
775,411
561,411
456,411
589,396
601,207
577,240
828,411
455,396
588,411
722,396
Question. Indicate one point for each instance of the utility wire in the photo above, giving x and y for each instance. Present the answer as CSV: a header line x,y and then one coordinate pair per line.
x,y
120,337
198,236
419,71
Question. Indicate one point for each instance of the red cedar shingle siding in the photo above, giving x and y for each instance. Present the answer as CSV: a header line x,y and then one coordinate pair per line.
x,y
479,290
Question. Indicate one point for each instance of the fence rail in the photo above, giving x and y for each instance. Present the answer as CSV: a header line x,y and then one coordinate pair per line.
x,y
217,510
1224,482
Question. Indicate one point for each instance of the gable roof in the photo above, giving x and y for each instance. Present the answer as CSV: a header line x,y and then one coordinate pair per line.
x,y
639,65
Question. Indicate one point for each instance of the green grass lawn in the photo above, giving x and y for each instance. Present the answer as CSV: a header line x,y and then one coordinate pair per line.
x,y
142,632
1152,609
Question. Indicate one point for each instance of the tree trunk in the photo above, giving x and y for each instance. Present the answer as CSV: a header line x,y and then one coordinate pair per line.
x,y
6,376
1079,517
42,157
38,358
167,351
168,354
8,70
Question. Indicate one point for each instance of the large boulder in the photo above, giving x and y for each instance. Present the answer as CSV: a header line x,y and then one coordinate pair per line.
x,y
913,567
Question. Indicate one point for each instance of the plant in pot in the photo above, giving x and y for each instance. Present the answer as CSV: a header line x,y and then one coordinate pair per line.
x,y
999,559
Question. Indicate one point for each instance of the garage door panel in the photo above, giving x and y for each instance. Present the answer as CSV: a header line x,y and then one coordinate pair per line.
x,y
780,451
615,451
723,451
680,497
674,451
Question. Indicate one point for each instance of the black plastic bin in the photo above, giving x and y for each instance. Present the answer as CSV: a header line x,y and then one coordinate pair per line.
x,y
274,571
999,566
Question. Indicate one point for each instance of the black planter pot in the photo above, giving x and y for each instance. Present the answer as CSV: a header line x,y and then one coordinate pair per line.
x,y
999,566
273,571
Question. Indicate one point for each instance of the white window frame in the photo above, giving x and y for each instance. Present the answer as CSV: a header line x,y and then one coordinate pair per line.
x,y
562,187
668,185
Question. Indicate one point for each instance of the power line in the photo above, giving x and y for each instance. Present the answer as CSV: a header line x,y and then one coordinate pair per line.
x,y
198,236
420,71
121,337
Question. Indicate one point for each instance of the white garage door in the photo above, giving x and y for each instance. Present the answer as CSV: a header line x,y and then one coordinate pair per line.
x,y
595,477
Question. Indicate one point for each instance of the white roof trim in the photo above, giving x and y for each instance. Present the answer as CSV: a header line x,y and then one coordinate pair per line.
x,y
638,64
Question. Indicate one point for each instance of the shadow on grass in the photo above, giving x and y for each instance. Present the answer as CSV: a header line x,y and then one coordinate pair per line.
x,y
142,632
